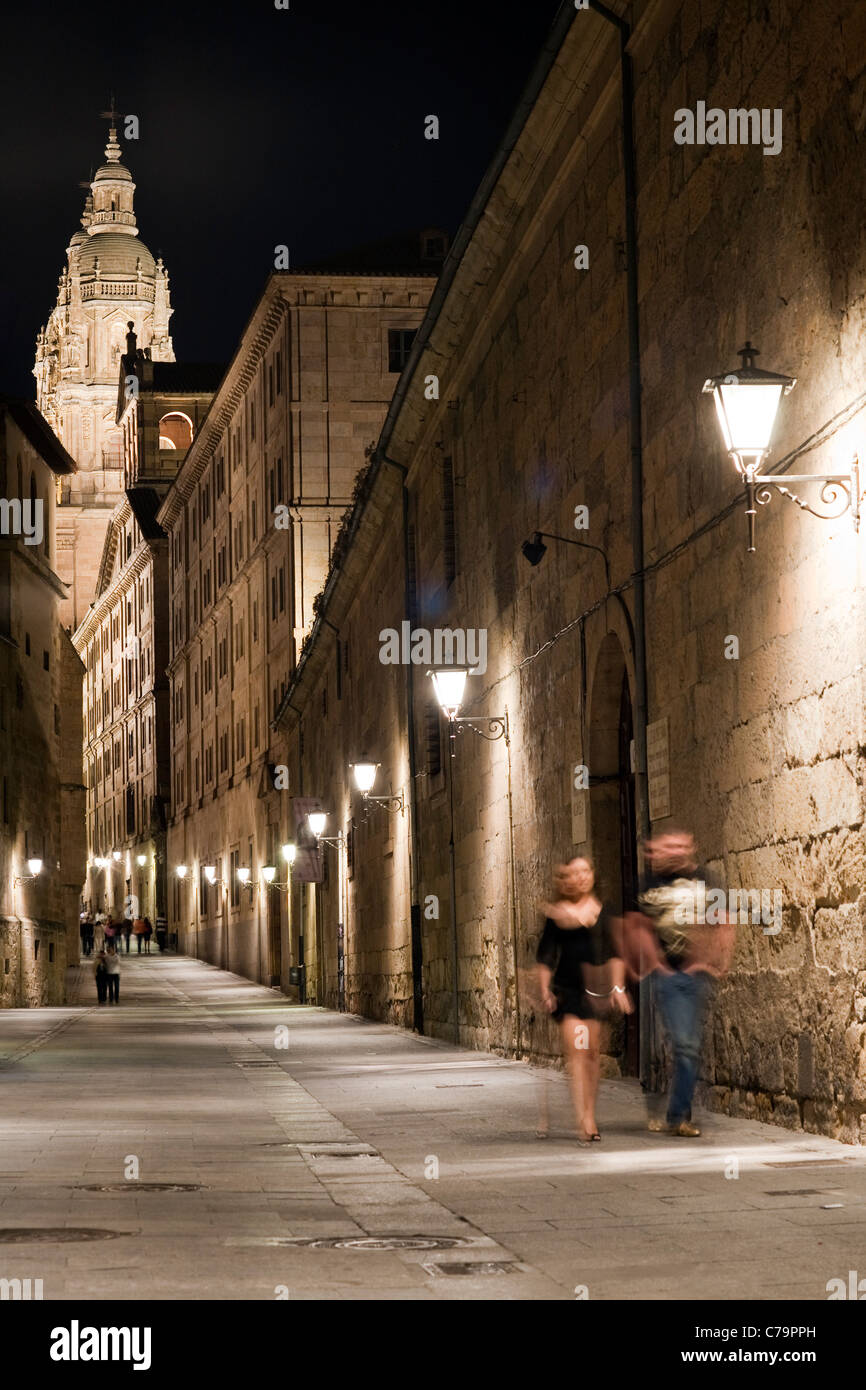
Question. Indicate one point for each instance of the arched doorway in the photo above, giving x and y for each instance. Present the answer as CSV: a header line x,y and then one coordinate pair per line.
x,y
613,826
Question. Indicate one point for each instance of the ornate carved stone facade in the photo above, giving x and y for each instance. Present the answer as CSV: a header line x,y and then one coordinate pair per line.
x,y
110,278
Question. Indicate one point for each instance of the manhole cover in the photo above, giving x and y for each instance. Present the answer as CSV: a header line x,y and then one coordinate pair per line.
x,y
364,1242
476,1267
51,1235
137,1187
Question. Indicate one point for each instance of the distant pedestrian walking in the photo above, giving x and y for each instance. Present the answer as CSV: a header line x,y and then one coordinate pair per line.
x,y
112,966
138,928
148,933
109,932
582,979
127,932
100,971
161,933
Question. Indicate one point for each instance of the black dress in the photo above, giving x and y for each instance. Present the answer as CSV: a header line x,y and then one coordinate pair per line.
x,y
567,951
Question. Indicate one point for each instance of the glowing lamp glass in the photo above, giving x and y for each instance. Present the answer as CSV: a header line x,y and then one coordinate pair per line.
x,y
34,866
365,776
317,821
181,870
269,873
449,686
289,853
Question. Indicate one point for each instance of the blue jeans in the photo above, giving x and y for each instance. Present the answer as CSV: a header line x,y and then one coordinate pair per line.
x,y
681,999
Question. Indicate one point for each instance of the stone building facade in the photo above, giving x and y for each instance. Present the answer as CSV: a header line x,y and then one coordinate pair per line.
x,y
41,792
123,641
110,277
551,403
252,518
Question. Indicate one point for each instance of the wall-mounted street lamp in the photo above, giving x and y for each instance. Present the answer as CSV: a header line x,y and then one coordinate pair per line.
x,y
116,855
181,871
449,682
34,869
365,780
534,550
141,860
290,853
317,820
244,875
747,402
269,873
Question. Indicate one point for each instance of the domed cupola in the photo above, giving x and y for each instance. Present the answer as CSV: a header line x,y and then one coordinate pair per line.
x,y
112,189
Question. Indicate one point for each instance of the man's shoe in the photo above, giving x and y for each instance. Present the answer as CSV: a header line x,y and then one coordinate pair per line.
x,y
686,1130
658,1126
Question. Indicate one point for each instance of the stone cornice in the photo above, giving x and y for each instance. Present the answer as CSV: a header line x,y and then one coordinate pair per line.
x,y
132,570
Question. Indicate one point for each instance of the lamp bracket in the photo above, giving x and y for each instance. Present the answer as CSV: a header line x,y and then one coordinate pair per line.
x,y
496,726
392,803
840,492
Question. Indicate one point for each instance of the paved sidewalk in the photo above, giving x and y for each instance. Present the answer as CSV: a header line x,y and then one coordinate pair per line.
x,y
357,1131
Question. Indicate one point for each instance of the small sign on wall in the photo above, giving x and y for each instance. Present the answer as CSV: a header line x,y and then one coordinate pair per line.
x,y
658,769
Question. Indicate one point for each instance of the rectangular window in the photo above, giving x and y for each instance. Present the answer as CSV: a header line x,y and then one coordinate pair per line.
x,y
400,342
449,537
279,373
255,620
433,739
253,519
234,881
241,741
282,588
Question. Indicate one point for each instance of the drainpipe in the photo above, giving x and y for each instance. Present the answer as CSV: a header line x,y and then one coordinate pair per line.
x,y
636,443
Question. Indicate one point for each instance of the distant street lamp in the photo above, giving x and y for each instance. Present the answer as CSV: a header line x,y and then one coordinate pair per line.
x,y
116,855
747,402
449,684
289,853
210,873
244,875
317,820
181,871
269,873
141,860
365,780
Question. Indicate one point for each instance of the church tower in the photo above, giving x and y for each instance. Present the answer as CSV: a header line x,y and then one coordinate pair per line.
x,y
110,279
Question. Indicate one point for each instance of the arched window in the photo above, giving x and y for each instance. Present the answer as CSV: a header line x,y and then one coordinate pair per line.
x,y
175,431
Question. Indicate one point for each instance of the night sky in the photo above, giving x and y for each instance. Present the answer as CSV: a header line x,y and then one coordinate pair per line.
x,y
258,126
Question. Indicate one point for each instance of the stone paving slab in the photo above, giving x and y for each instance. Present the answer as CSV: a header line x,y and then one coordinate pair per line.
x,y
437,1143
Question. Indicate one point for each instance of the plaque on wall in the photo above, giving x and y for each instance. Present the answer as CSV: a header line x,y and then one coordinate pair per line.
x,y
658,769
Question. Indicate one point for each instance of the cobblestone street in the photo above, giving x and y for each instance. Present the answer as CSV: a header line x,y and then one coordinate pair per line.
x,y
338,1137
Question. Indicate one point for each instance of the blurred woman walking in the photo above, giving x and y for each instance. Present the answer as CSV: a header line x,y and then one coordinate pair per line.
x,y
582,979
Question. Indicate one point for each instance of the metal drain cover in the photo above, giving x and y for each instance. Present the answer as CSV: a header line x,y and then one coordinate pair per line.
x,y
55,1235
132,1186
472,1268
364,1242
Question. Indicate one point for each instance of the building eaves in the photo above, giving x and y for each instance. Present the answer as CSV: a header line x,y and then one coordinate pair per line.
x,y
38,432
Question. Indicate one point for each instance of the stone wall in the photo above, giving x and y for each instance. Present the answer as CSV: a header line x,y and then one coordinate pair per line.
x,y
767,745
